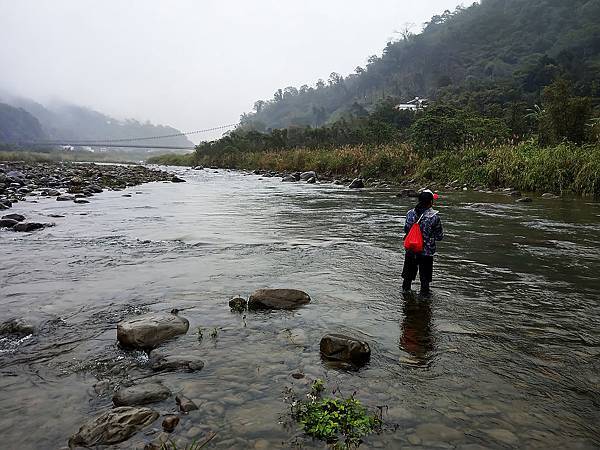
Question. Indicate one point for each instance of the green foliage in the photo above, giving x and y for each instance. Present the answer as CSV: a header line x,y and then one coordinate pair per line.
x,y
214,333
200,333
565,168
444,128
485,57
342,422
565,116
172,159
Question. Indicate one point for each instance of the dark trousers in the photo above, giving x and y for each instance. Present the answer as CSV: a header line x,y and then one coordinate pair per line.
x,y
413,263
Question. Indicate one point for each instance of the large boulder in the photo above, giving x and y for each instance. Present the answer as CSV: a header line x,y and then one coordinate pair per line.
x,y
169,363
150,330
338,347
289,179
277,299
357,183
141,394
113,426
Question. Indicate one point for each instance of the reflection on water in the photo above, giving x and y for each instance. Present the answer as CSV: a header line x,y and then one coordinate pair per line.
x,y
416,334
506,353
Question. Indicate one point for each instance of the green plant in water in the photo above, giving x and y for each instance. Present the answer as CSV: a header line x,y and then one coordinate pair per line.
x,y
341,422
214,333
318,386
200,333
170,445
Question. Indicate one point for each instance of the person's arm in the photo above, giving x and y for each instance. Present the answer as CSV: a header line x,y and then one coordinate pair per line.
x,y
438,229
410,219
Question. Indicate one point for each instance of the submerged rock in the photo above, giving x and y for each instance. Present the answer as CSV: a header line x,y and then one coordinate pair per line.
x,y
176,179
289,179
305,176
164,362
338,347
312,180
141,394
277,299
549,195
524,200
113,426
169,423
28,226
7,223
17,217
150,330
16,326
65,198
410,193
185,404
357,183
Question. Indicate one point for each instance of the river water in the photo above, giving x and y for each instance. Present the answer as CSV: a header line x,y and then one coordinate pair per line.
x,y
504,354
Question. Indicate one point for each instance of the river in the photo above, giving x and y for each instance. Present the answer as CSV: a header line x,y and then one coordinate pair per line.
x,y
504,354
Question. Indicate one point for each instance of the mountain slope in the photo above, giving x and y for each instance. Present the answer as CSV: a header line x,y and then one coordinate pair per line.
x,y
62,121
17,125
503,49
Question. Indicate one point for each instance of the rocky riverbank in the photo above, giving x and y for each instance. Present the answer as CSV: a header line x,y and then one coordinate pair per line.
x,y
70,182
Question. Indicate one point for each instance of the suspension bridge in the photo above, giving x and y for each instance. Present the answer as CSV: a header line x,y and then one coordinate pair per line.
x,y
133,142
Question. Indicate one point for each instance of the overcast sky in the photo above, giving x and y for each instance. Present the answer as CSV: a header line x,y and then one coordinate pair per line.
x,y
191,64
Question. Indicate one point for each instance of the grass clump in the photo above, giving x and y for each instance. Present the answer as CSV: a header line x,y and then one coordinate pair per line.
x,y
341,422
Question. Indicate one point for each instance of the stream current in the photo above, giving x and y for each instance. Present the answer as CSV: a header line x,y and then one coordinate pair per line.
x,y
505,354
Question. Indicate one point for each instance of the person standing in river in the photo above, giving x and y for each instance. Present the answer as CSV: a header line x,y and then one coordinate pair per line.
x,y
432,231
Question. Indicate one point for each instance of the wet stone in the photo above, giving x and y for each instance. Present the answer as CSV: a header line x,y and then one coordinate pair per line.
x,y
339,347
113,426
169,423
141,394
8,223
168,363
17,217
436,432
357,183
277,299
28,226
185,404
150,330
18,327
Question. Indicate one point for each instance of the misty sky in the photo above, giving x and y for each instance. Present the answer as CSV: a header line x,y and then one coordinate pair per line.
x,y
189,63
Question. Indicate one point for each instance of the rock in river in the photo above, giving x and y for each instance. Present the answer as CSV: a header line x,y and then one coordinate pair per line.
x,y
65,198
150,330
28,226
7,223
16,326
169,423
357,183
164,362
305,176
176,179
338,347
277,299
113,426
141,394
185,404
238,304
17,217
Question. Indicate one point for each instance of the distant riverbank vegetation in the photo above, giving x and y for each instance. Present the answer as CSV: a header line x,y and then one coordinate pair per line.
x,y
513,93
553,147
10,153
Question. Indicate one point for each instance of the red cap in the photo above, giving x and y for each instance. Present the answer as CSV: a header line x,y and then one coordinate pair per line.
x,y
436,196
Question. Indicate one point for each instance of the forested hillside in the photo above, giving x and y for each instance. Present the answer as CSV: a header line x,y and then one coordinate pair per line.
x,y
63,121
17,125
495,57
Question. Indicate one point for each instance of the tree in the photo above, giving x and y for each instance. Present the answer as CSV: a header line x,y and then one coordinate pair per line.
x,y
565,115
258,106
278,96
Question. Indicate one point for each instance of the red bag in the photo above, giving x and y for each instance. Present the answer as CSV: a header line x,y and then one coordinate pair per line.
x,y
414,239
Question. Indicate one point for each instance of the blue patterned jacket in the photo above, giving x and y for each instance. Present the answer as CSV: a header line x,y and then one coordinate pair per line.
x,y
431,228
